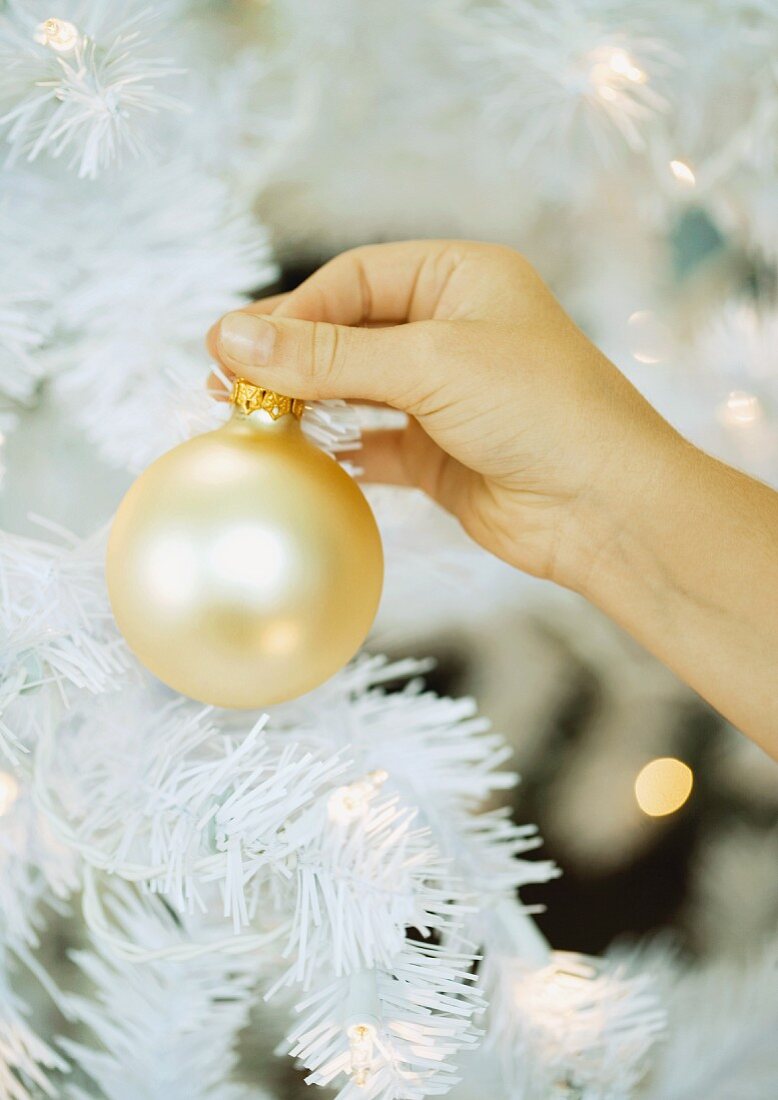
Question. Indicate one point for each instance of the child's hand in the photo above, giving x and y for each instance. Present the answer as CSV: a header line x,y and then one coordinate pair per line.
x,y
542,449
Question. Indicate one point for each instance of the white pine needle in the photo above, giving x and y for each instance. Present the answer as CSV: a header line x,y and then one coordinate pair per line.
x,y
88,104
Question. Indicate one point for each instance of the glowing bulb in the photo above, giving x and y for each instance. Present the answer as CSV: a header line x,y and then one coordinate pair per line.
x,y
361,1040
610,69
348,803
57,34
663,785
9,792
683,173
621,62
740,409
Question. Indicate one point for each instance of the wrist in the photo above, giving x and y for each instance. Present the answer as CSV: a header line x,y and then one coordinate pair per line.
x,y
686,562
612,525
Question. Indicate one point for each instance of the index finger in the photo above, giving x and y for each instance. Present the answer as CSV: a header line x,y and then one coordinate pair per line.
x,y
408,281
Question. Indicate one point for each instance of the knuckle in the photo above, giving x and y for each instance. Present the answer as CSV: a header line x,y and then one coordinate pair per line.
x,y
336,263
324,360
431,347
346,261
510,259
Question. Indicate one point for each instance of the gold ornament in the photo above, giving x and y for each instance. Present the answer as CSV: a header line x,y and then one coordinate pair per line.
x,y
245,567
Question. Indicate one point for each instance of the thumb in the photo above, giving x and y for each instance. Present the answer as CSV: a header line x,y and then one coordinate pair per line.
x,y
314,359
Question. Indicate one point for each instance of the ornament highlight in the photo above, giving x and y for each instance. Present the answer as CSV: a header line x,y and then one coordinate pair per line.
x,y
244,567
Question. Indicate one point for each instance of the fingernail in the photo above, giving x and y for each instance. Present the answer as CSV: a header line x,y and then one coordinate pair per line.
x,y
247,338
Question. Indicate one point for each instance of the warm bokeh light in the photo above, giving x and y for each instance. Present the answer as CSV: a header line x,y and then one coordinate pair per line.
x,y
611,68
683,173
361,1040
346,804
663,785
58,34
740,409
9,792
621,62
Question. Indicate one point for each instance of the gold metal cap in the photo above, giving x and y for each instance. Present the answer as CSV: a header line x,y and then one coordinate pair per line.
x,y
250,398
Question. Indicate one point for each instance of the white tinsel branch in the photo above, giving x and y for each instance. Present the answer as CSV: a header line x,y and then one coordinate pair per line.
x,y
26,1061
160,1029
392,1033
56,628
83,84
560,1020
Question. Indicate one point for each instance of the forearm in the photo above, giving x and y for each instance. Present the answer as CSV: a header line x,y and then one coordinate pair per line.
x,y
541,448
690,569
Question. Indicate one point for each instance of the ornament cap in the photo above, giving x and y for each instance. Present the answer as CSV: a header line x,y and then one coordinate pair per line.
x,y
250,398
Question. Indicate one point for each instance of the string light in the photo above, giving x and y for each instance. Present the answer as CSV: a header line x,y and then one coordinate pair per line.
x,y
361,1043
58,35
740,409
663,785
611,67
9,792
683,173
348,803
621,62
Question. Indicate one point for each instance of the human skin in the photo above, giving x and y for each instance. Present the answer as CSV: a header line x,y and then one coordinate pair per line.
x,y
542,449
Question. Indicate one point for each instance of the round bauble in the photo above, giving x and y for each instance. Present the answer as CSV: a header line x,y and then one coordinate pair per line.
x,y
245,567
